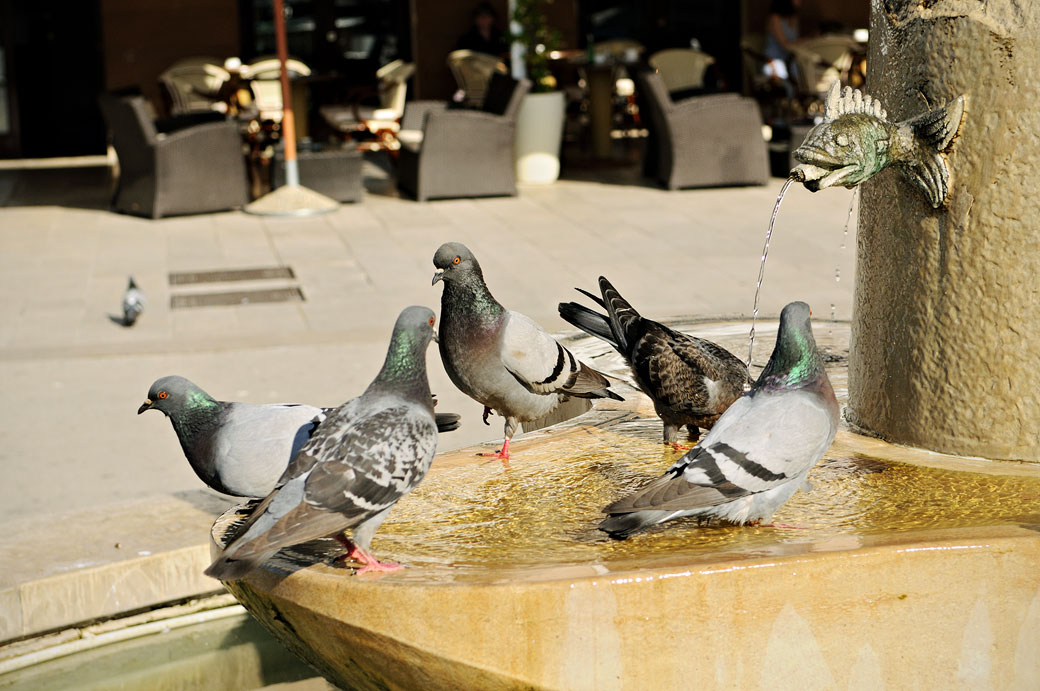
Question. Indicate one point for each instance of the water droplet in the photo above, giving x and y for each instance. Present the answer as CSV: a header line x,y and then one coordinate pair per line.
x,y
848,218
832,312
837,275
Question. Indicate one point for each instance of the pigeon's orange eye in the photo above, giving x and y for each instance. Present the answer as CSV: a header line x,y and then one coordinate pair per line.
x,y
432,319
456,260
162,394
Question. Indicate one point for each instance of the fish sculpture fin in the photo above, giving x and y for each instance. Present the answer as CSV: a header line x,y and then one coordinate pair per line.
x,y
850,100
933,132
938,127
931,174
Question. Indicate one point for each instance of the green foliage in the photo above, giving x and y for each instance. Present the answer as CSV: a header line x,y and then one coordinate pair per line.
x,y
538,39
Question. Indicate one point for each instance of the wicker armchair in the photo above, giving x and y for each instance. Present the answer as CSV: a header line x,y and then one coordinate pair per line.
x,y
458,152
704,141
192,85
197,169
472,71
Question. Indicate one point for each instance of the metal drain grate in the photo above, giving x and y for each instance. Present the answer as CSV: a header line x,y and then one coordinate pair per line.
x,y
238,297
227,275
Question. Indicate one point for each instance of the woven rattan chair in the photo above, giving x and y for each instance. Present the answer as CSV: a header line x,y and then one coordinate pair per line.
x,y
472,71
681,69
197,169
191,85
705,141
459,152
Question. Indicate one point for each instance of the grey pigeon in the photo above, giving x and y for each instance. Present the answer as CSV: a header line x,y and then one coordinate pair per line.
x,y
133,303
759,452
501,358
235,448
241,449
690,380
369,452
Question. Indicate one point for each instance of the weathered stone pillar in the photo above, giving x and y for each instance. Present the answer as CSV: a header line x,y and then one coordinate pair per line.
x,y
946,334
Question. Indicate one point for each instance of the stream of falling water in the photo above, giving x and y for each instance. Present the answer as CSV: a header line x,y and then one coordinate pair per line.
x,y
844,241
762,271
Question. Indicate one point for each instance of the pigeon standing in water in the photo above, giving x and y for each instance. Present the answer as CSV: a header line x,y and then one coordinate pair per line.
x,y
133,303
691,381
236,448
241,449
500,358
759,452
369,452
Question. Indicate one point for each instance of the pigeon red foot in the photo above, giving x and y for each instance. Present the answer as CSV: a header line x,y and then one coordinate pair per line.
x,y
368,562
502,455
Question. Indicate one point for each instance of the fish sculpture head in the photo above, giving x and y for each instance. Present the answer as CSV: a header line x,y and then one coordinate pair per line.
x,y
850,146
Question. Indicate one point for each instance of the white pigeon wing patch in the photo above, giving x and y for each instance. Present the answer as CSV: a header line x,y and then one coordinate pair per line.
x,y
770,435
534,357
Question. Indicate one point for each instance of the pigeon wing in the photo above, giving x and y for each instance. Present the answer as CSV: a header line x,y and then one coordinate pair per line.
x,y
761,442
541,364
353,474
683,370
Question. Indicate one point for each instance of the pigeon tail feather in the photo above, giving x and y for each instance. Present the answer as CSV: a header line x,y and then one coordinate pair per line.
x,y
623,525
588,383
589,321
447,422
230,568
624,319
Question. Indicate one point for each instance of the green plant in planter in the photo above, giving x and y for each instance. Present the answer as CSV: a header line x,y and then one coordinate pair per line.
x,y
538,39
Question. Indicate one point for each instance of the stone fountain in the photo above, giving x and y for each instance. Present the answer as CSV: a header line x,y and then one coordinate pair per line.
x,y
903,566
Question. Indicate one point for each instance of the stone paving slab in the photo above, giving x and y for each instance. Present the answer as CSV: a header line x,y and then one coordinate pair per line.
x,y
74,378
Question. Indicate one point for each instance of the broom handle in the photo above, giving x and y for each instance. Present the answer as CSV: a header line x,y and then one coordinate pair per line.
x,y
288,125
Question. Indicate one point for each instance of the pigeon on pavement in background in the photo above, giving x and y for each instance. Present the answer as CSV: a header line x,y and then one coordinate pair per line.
x,y
235,448
133,303
759,452
369,452
501,358
241,448
691,381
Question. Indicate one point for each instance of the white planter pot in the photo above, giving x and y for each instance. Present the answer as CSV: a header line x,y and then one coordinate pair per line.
x,y
539,132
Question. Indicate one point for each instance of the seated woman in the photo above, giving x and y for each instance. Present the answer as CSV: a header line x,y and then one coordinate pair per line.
x,y
781,34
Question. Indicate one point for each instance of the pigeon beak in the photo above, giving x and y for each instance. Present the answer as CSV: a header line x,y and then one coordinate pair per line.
x,y
147,405
437,276
434,338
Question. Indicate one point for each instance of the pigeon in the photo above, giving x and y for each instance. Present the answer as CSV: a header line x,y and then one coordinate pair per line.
x,y
503,359
690,380
759,452
133,303
367,454
241,449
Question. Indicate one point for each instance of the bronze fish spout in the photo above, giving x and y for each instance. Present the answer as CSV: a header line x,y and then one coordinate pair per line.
x,y
855,142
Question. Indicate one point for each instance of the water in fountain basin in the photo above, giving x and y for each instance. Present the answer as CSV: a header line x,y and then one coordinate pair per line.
x,y
544,510
470,517
762,271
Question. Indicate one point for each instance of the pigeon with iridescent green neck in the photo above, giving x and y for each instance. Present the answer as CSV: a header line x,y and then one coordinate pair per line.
x,y
236,448
500,358
759,452
369,452
240,449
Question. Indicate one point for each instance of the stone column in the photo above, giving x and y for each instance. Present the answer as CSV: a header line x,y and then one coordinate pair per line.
x,y
946,335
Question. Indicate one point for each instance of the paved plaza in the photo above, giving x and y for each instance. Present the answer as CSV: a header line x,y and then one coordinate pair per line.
x,y
73,378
